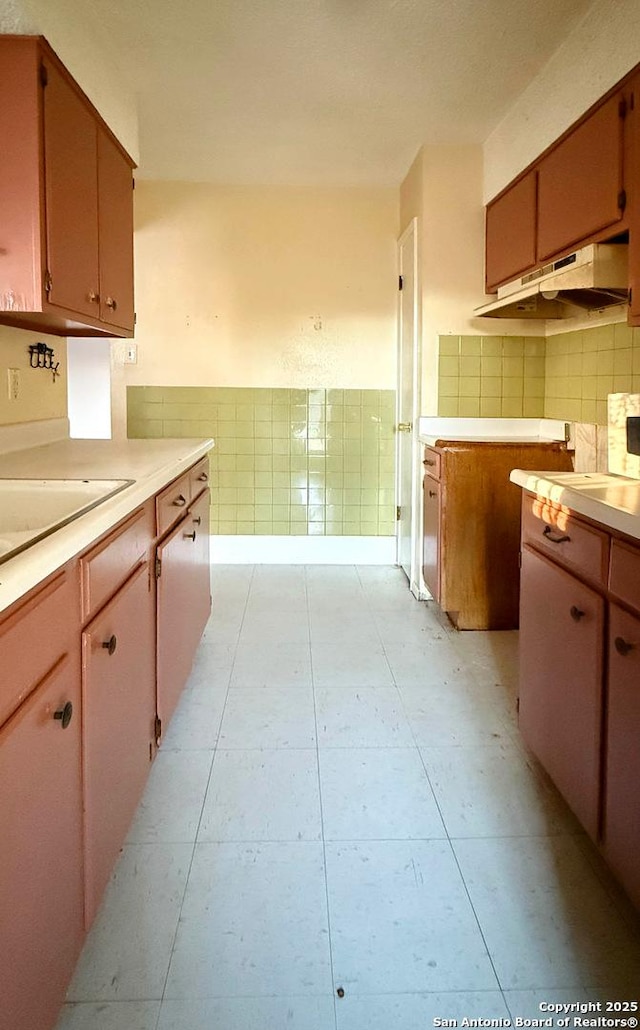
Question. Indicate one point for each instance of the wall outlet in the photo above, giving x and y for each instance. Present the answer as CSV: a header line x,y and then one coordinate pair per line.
x,y
13,384
131,354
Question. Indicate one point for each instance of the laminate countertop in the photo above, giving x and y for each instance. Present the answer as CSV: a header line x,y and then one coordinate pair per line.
x,y
149,464
611,500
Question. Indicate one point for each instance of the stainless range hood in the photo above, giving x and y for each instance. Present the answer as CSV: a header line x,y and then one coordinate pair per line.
x,y
592,278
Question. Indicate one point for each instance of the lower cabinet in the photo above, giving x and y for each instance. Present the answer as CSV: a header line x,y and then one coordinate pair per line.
x,y
431,536
184,602
560,704
622,784
41,879
118,693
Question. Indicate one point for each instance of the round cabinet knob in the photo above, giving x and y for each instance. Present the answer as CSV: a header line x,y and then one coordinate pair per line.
x,y
94,297
203,477
433,493
110,644
197,520
180,501
189,536
64,715
576,613
622,646
112,303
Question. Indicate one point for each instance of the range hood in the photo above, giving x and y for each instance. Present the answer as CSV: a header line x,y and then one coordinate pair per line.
x,y
592,278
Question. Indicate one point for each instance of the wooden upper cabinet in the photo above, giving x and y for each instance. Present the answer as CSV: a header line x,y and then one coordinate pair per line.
x,y
633,198
66,233
580,181
511,233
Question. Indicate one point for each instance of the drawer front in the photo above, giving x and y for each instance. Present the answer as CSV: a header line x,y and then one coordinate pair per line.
x,y
172,503
107,566
565,539
34,636
431,462
198,478
624,573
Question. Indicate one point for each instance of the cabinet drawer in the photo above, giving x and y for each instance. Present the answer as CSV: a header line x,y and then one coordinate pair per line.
x,y
172,503
34,636
104,568
431,462
198,478
624,573
567,540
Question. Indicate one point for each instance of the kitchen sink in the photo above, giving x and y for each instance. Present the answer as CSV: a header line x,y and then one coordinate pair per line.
x,y
31,509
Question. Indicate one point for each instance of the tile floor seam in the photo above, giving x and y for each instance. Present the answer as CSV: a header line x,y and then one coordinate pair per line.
x,y
324,847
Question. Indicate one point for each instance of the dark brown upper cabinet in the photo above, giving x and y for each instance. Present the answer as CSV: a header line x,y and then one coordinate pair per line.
x,y
511,232
581,182
66,235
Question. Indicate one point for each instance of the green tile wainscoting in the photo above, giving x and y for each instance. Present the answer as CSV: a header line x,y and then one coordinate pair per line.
x,y
566,376
286,462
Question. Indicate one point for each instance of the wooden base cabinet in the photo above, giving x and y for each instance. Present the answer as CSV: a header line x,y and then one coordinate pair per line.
x,y
184,602
579,693
41,881
560,704
118,690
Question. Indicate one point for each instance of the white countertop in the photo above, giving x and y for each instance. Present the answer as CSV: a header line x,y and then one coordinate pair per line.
x,y
490,430
150,463
612,500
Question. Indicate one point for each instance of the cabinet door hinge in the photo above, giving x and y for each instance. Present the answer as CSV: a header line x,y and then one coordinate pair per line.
x,y
518,704
158,568
398,513
622,199
48,282
44,75
400,282
158,728
622,108
519,559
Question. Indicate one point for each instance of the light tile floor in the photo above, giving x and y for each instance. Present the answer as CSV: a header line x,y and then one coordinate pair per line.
x,y
342,801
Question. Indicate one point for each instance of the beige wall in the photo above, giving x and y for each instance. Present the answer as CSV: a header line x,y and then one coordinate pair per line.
x,y
40,397
602,49
262,287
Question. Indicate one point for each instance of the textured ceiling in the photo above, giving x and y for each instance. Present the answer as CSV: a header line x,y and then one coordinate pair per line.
x,y
339,92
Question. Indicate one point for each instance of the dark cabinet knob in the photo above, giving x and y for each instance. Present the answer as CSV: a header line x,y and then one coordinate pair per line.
x,y
547,531
576,613
197,520
433,493
189,536
180,501
110,644
64,715
622,646
203,477
112,303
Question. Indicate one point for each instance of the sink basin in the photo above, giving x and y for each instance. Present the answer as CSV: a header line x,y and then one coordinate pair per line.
x,y
31,509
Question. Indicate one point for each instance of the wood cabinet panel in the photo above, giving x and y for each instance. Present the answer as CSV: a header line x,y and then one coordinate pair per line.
x,y
510,232
198,477
172,503
624,573
632,185
431,536
567,540
71,178
184,603
48,618
561,674
41,886
118,693
579,181
107,566
622,792
115,209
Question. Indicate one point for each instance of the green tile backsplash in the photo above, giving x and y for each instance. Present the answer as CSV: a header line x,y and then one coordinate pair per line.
x,y
567,376
286,462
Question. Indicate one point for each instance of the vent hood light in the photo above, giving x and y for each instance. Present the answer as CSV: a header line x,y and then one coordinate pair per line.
x,y
592,278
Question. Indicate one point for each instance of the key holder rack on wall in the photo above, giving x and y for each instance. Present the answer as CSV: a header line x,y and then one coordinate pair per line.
x,y
41,356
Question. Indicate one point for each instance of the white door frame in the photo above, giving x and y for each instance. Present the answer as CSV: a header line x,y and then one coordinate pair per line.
x,y
415,578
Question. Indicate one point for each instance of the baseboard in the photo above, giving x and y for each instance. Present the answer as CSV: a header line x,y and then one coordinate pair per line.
x,y
303,550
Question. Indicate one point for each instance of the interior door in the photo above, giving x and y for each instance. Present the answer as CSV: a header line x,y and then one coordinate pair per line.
x,y
407,411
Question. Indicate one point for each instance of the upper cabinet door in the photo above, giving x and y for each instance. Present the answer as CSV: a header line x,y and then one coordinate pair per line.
x,y
580,181
115,206
511,233
71,177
